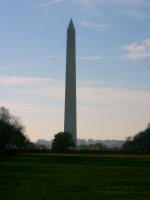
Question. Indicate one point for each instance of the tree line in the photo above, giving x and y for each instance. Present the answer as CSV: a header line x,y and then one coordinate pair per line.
x,y
12,132
140,143
12,136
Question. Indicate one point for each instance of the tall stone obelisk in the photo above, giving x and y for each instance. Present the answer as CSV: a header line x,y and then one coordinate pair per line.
x,y
70,124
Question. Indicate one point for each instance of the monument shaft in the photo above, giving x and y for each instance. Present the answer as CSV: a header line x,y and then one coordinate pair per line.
x,y
70,124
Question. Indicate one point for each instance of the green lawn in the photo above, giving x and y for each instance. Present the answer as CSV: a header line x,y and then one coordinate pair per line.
x,y
75,177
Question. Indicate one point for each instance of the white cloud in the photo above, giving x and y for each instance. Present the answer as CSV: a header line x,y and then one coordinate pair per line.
x,y
133,8
53,57
89,58
88,91
27,107
99,27
136,14
42,108
137,51
20,81
93,3
86,3
52,92
122,2
50,2
113,97
84,58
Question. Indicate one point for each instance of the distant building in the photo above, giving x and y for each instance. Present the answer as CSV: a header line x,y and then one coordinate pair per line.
x,y
81,142
90,141
108,143
46,143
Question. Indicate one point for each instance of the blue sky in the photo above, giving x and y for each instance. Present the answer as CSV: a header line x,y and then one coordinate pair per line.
x,y
113,65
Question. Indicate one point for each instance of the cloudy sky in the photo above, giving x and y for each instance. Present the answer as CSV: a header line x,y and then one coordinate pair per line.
x,y
113,65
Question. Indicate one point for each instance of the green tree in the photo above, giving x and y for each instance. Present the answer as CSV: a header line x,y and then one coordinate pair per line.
x,y
128,145
11,130
139,143
62,141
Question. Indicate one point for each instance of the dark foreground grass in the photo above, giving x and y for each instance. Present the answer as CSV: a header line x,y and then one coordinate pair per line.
x,y
75,177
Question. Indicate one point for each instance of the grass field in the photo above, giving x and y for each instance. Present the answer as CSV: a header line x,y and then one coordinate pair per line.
x,y
75,177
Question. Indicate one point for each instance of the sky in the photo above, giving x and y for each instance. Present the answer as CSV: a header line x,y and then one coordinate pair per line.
x,y
113,65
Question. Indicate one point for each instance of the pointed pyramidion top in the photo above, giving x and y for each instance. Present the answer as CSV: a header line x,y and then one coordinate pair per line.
x,y
71,26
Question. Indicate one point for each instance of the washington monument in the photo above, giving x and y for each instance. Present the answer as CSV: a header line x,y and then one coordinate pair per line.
x,y
70,124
